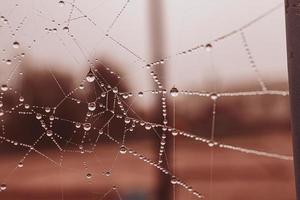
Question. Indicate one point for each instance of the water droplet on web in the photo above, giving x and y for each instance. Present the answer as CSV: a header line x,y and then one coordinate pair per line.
x,y
90,77
140,94
123,149
87,126
38,116
61,3
3,187
8,61
77,125
127,120
211,144
1,112
4,87
66,29
49,133
1,103
20,164
208,47
16,45
88,175
115,90
173,180
107,173
47,109
148,126
92,106
213,96
174,132
21,99
174,92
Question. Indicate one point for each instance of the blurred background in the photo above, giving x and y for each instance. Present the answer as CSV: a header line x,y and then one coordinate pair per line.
x,y
49,47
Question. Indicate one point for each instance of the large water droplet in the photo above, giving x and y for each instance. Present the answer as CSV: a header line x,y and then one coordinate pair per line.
x,y
88,175
213,96
92,106
20,164
123,149
49,133
4,87
208,47
90,77
3,187
38,116
87,126
115,90
61,3
66,29
140,94
174,92
16,45
8,61
148,126
173,180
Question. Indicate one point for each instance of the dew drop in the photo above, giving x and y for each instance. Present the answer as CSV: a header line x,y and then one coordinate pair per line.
x,y
20,164
61,3
47,109
174,92
88,175
3,187
213,96
87,126
66,29
21,99
90,77
8,61
16,45
49,133
174,132
173,180
115,90
140,94
38,116
81,86
4,87
92,106
127,120
77,125
51,117
148,126
123,149
208,47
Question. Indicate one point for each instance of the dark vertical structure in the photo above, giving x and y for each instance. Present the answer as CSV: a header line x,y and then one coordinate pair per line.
x,y
156,21
292,10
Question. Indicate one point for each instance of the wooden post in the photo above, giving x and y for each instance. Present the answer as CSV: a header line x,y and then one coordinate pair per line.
x,y
292,14
156,21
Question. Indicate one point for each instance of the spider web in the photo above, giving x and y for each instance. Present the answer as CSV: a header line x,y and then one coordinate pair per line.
x,y
98,109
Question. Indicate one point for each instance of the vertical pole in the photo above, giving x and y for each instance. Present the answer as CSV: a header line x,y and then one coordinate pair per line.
x,y
292,14
156,17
